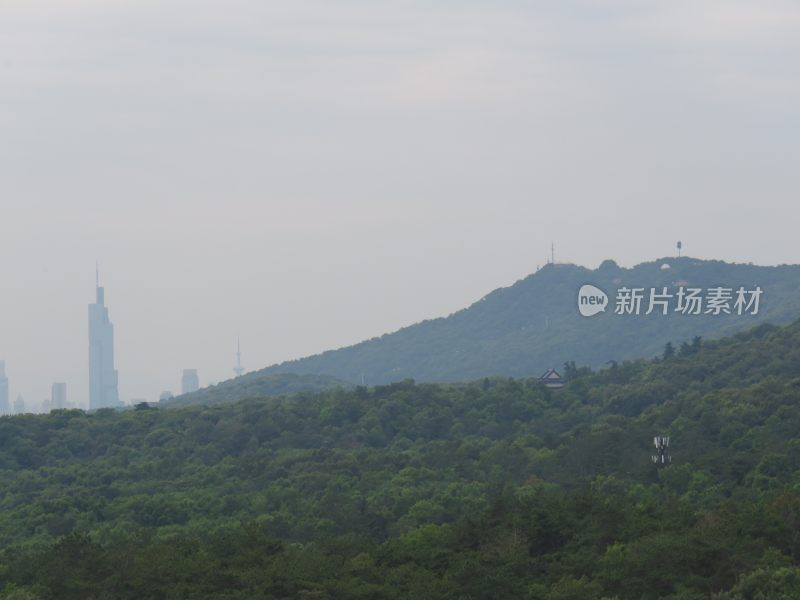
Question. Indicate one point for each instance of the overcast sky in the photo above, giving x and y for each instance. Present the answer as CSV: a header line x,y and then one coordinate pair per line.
x,y
306,175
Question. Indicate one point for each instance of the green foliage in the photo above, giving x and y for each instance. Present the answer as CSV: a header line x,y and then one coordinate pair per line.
x,y
255,385
493,489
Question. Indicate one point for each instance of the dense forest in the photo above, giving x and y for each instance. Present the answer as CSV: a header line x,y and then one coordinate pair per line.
x,y
494,489
533,325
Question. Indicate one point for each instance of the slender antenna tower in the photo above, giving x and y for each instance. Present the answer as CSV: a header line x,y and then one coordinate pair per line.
x,y
238,369
680,247
552,253
661,458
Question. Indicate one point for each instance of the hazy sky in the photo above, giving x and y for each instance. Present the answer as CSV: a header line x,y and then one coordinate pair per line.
x,y
310,174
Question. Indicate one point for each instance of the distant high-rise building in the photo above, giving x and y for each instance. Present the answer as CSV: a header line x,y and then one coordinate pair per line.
x,y
190,381
58,396
103,391
238,369
5,406
165,395
19,405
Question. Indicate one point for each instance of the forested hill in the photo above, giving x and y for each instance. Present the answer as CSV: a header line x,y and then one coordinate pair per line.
x,y
257,385
493,489
534,324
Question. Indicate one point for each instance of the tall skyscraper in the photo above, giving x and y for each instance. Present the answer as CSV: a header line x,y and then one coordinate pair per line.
x,y
19,405
103,391
190,381
5,406
58,396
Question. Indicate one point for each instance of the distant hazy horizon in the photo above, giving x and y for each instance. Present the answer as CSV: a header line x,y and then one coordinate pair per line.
x,y
308,175
225,369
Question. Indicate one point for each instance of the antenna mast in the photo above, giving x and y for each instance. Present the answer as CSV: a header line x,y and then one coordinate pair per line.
x,y
238,369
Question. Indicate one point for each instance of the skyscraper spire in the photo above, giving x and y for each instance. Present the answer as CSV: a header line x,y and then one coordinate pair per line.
x,y
103,392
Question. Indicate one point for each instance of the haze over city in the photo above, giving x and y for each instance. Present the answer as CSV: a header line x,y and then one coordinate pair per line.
x,y
306,176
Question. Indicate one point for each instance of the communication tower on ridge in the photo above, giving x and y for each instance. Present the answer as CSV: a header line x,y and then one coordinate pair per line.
x,y
238,369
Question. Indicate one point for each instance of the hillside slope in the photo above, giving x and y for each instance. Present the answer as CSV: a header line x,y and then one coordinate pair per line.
x,y
492,489
257,385
534,324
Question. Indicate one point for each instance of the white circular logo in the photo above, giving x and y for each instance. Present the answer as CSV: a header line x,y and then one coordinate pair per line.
x,y
591,300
